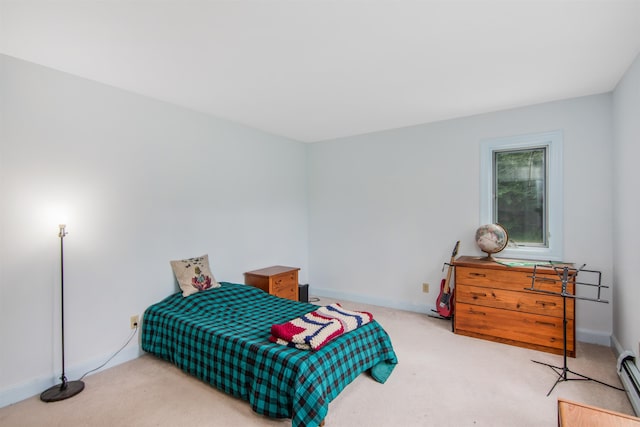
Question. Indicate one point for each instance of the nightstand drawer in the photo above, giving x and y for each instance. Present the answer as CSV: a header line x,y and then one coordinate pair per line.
x,y
285,281
288,292
286,285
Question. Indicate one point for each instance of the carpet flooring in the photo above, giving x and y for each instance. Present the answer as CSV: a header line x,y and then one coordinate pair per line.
x,y
442,379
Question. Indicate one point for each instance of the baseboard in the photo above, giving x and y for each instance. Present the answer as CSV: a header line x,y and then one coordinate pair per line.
x,y
33,387
617,347
364,299
593,337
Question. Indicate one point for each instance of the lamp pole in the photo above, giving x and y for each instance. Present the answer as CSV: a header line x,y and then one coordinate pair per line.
x,y
65,389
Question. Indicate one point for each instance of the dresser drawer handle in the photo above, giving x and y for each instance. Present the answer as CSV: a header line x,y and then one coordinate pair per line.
x,y
477,275
539,322
478,294
543,303
472,311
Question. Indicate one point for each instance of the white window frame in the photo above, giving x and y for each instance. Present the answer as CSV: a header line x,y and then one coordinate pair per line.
x,y
553,142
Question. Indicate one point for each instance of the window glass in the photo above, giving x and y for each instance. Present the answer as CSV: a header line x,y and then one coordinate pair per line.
x,y
520,194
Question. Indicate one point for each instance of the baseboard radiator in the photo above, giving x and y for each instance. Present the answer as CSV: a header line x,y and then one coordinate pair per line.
x,y
630,377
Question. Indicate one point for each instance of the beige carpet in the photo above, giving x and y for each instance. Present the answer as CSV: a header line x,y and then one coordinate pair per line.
x,y
442,380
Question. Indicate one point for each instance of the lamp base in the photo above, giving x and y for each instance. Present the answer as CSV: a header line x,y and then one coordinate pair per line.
x,y
62,391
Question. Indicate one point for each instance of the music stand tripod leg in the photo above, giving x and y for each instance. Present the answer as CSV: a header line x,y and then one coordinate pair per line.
x,y
562,371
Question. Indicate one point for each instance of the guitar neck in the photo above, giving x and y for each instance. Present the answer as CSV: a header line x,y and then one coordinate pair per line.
x,y
446,286
447,281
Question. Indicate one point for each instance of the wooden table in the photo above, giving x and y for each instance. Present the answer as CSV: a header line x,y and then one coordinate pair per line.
x,y
573,414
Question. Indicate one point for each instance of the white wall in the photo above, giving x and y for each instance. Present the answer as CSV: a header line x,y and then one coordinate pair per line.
x,y
139,182
626,204
385,209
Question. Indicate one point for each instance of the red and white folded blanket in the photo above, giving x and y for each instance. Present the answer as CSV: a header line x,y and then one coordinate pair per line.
x,y
313,330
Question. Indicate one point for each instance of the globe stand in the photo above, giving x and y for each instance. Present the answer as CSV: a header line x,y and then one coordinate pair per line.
x,y
489,257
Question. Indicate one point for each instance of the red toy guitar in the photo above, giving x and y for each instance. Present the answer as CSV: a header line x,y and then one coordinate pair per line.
x,y
444,305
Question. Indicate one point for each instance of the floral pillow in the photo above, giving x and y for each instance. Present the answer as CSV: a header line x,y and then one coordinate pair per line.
x,y
194,275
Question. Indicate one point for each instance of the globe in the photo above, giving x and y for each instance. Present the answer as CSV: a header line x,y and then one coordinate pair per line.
x,y
491,239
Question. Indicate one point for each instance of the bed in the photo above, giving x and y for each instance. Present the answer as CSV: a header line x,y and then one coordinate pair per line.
x,y
221,336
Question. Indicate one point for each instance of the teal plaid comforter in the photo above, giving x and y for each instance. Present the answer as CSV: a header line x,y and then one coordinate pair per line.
x,y
222,337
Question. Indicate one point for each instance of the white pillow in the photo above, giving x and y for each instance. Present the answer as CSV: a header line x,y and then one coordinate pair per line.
x,y
194,275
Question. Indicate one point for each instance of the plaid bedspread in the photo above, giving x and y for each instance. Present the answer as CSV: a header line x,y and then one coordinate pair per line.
x,y
222,337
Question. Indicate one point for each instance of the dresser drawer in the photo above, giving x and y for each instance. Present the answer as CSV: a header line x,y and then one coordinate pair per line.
x,y
510,326
509,279
526,302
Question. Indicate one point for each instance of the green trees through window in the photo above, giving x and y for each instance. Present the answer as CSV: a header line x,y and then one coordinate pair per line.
x,y
520,194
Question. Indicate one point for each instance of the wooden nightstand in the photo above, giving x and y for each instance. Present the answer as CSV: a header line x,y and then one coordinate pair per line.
x,y
277,280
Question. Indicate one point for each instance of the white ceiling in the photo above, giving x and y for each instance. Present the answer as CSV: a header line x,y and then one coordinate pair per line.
x,y
320,69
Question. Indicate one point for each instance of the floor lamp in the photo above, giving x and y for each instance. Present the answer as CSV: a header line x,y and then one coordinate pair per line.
x,y
65,389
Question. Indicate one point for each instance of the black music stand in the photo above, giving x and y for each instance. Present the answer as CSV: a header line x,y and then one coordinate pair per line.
x,y
564,273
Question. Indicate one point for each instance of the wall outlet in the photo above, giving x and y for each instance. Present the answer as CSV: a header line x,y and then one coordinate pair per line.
x,y
135,321
425,288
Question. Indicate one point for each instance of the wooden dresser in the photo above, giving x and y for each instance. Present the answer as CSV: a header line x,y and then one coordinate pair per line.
x,y
491,303
277,280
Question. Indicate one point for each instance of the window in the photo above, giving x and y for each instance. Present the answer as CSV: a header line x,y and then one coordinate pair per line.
x,y
521,188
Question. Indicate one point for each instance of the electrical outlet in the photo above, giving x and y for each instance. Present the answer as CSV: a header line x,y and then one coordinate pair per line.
x,y
135,321
425,288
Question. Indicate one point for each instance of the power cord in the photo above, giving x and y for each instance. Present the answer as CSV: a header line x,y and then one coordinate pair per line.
x,y
114,354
